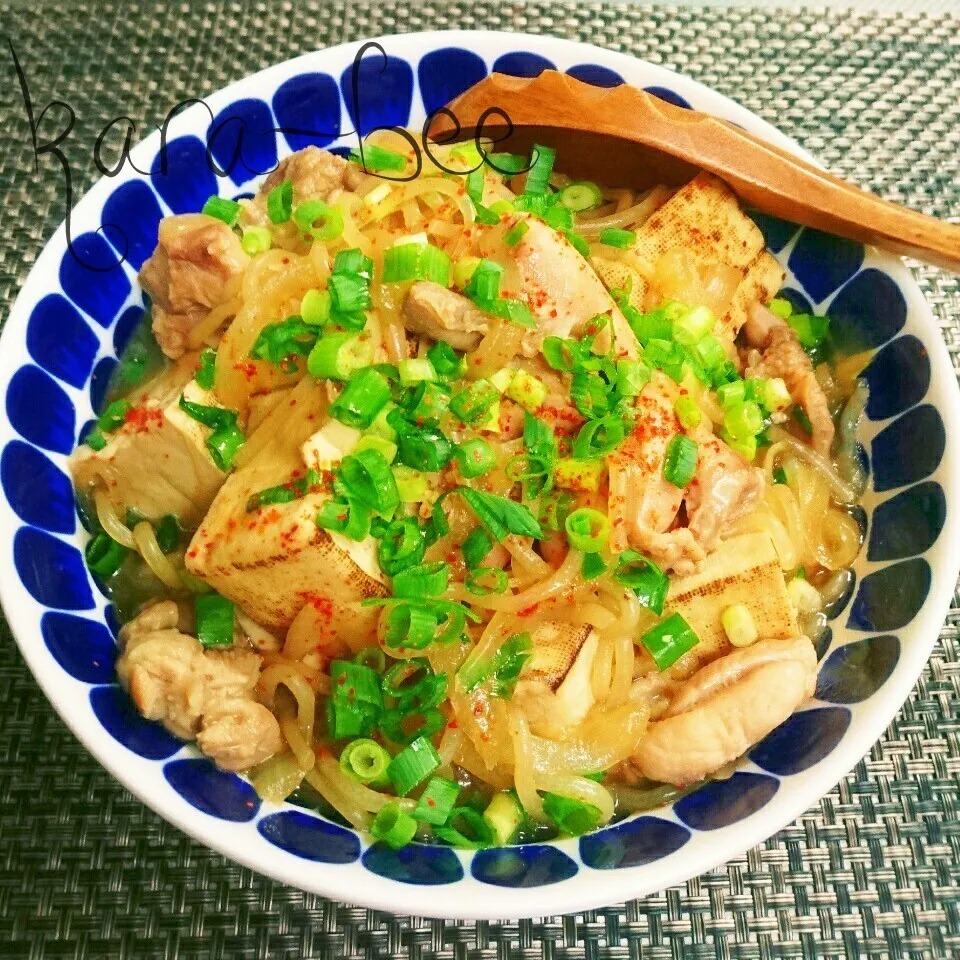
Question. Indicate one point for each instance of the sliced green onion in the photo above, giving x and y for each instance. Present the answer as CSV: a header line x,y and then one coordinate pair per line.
x,y
412,626
350,292
484,282
538,177
473,403
588,391
811,330
372,657
780,475
367,478
593,566
350,719
416,370
483,581
573,817
500,515
375,158
404,725
104,556
554,510
393,826
446,361
730,394
315,307
615,237
422,580
669,640
365,395
688,413
641,575
168,533
355,683
693,325
256,240
597,438
782,308
279,343
214,620
581,195
402,546
504,816
319,220
353,261
475,457
710,352
516,233
476,547
800,415
560,218
466,829
437,801
207,373
654,325
587,529
632,377
280,202
226,210
364,760
336,355
352,519
95,440
508,164
680,462
527,390
427,449
386,448
485,215
426,403
509,308
474,185
774,395
114,416
412,765
743,420
463,270
412,485
578,243
414,261
561,354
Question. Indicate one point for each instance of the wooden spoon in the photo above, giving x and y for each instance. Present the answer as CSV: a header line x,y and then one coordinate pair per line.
x,y
622,135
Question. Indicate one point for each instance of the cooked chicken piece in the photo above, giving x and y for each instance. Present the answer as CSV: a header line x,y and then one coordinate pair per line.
x,y
157,462
777,353
561,288
643,505
315,174
443,314
724,489
275,559
196,259
764,278
724,709
555,690
742,570
197,693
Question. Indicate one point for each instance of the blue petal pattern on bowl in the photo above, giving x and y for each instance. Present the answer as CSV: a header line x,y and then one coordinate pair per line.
x,y
119,717
40,410
446,73
908,523
777,233
310,837
126,326
596,75
186,181
522,64
52,571
909,449
84,648
100,381
417,864
242,140
384,90
101,291
671,96
307,108
889,598
822,262
867,312
632,843
531,865
801,740
39,492
133,207
898,377
220,794
61,341
722,802
856,671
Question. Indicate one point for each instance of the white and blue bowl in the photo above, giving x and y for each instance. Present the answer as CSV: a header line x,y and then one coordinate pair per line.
x,y
60,345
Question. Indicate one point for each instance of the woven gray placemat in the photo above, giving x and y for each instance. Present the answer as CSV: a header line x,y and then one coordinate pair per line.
x,y
871,871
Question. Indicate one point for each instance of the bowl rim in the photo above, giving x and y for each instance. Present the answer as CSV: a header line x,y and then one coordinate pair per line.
x,y
352,882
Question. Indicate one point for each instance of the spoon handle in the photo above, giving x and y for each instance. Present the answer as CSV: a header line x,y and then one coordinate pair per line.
x,y
769,178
